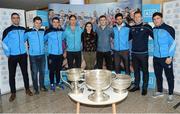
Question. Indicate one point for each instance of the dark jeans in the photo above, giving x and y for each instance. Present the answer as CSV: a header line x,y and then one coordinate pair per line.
x,y
54,66
140,63
124,57
12,65
108,59
37,64
160,65
71,56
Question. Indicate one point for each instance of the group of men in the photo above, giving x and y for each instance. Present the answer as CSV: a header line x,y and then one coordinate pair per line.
x,y
163,35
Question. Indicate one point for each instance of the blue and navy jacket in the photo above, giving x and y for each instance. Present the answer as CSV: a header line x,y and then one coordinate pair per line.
x,y
73,39
35,40
139,34
164,41
121,38
54,38
13,40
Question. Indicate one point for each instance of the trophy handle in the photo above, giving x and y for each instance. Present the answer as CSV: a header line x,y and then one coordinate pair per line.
x,y
113,75
83,74
66,81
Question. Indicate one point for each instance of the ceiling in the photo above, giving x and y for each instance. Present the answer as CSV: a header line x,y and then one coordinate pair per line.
x,y
29,4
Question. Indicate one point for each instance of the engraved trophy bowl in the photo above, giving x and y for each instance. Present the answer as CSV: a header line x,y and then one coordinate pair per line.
x,y
74,75
98,80
120,83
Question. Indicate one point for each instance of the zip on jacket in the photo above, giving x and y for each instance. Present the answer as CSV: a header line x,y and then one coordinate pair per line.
x,y
121,38
14,40
54,38
164,41
73,39
35,40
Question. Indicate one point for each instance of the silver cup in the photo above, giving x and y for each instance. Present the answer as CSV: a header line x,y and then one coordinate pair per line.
x,y
98,80
120,83
74,75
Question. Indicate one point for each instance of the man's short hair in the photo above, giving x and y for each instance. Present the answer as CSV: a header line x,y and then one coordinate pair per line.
x,y
55,18
37,18
71,16
50,10
138,12
14,14
118,15
102,16
157,14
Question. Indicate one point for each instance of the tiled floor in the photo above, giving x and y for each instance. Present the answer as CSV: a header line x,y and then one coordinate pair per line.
x,y
59,102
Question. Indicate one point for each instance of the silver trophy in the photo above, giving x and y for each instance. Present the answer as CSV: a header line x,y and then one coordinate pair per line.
x,y
98,80
74,75
120,83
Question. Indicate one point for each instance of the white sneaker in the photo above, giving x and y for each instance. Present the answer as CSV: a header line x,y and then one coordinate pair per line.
x,y
158,94
170,98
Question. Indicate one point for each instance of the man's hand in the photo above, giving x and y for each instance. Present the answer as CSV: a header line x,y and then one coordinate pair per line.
x,y
168,60
65,54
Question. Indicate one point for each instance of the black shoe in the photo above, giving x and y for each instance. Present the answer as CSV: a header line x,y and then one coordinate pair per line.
x,y
134,89
44,89
12,97
28,92
36,92
144,92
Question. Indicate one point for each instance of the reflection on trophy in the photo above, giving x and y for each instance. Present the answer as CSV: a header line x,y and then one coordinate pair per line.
x,y
98,80
74,75
120,83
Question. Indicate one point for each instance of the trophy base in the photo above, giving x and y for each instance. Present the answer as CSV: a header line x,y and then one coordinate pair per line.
x,y
79,91
98,97
120,91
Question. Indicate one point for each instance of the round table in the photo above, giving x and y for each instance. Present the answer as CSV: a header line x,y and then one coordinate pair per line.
x,y
83,98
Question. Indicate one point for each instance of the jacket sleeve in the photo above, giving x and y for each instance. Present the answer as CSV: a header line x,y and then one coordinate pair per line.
x,y
64,35
25,36
172,43
130,34
46,36
5,44
150,31
81,30
96,36
112,33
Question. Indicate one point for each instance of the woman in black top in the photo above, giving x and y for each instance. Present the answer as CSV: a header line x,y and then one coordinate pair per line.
x,y
89,42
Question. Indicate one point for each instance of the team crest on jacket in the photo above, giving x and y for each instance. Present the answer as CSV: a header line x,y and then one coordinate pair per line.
x,y
169,66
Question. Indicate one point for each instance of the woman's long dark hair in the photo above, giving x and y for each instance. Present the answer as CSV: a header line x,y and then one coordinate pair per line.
x,y
85,34
85,31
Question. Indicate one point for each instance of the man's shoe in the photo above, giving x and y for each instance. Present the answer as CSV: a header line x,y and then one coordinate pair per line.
x,y
28,92
170,99
134,89
12,97
36,92
53,88
60,86
144,92
158,94
44,89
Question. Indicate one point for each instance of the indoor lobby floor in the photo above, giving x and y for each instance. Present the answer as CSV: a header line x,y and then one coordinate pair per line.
x,y
59,102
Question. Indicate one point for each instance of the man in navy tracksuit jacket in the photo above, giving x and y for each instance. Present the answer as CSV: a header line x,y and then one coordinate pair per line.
x,y
139,34
35,38
54,38
164,50
15,50
121,44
